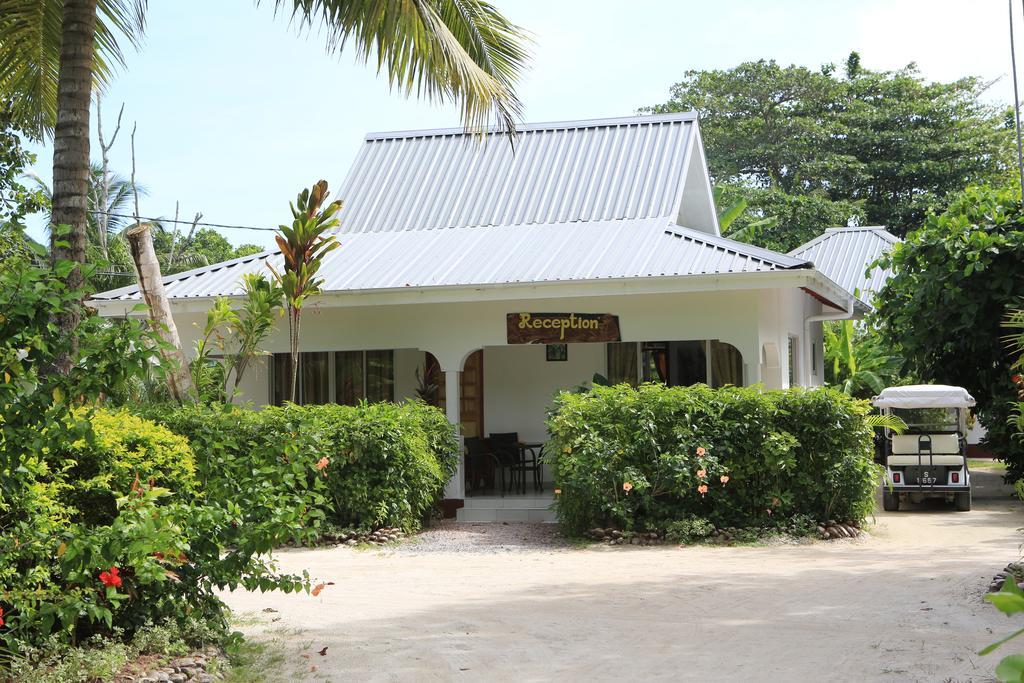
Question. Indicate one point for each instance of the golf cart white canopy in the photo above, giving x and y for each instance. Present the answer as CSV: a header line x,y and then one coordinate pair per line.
x,y
924,396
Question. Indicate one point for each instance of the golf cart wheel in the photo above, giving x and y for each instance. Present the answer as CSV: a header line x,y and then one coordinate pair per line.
x,y
963,501
891,501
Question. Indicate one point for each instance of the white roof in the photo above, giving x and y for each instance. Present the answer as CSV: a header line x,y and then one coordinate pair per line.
x,y
494,255
844,255
629,168
924,396
579,201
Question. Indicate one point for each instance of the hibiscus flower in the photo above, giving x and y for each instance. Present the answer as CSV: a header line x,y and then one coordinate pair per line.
x,y
111,578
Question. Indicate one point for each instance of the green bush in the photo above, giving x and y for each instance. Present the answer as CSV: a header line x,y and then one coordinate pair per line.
x,y
119,449
689,529
384,464
646,457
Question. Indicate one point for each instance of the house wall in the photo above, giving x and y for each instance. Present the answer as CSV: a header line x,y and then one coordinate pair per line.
x,y
519,382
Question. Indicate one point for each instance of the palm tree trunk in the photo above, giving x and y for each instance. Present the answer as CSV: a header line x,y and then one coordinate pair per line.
x,y
152,287
71,146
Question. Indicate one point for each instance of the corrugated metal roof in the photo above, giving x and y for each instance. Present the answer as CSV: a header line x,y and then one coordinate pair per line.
x,y
844,254
564,172
491,255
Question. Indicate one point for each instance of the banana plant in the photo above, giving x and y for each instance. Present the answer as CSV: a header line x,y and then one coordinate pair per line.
x,y
855,361
304,244
751,232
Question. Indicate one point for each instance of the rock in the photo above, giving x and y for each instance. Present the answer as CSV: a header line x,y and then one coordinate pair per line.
x,y
205,678
160,675
178,678
616,533
145,679
351,541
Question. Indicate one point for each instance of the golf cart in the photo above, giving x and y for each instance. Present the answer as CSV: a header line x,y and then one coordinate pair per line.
x,y
929,459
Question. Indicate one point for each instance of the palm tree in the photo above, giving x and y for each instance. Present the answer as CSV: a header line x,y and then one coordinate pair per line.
x,y
52,52
105,225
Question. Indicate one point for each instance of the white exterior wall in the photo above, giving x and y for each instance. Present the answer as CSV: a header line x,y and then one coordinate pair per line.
x,y
519,382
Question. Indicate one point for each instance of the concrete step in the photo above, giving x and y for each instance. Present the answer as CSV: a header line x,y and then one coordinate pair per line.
x,y
505,514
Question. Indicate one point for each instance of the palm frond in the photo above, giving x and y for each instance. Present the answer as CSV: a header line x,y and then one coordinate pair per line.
x,y
462,51
30,39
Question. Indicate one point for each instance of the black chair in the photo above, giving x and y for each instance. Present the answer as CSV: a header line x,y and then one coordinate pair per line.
x,y
480,465
511,454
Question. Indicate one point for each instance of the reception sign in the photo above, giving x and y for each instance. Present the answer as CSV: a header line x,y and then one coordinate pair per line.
x,y
560,328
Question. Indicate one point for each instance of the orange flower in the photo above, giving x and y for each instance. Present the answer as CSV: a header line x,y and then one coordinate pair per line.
x,y
724,479
558,491
322,463
700,450
702,473
627,487
317,588
702,489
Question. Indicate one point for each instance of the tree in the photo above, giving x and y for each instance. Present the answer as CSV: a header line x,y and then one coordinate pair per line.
x,y
857,360
16,200
954,281
303,246
818,149
52,51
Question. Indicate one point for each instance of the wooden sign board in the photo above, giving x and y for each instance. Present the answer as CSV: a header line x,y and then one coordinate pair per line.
x,y
561,328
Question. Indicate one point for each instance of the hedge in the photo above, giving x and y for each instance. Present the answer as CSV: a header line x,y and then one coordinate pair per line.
x,y
383,464
642,458
118,450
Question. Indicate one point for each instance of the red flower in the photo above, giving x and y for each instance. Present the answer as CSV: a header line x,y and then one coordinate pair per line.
x,y
1015,379
1,616
111,578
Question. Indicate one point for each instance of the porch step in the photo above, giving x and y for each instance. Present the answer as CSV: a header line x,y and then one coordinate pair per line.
x,y
507,509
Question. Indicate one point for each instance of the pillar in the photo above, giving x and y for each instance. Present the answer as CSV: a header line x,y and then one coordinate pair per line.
x,y
456,487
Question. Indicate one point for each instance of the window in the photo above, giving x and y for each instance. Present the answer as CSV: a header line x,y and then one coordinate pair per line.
x,y
726,365
346,376
793,346
677,363
349,380
362,375
380,376
313,387
622,357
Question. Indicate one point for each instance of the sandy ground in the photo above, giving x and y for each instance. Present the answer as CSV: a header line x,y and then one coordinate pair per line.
x,y
903,605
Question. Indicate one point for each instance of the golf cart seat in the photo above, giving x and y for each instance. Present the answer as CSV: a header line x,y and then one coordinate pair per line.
x,y
940,460
907,444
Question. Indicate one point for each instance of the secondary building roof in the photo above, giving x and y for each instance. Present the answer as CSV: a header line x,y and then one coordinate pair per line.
x,y
844,254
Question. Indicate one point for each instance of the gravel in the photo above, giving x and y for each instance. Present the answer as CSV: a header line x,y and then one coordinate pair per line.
x,y
449,536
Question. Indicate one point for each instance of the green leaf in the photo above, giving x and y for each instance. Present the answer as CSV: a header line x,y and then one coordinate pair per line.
x,y
1011,669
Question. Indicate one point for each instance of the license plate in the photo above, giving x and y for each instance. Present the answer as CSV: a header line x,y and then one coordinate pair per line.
x,y
927,480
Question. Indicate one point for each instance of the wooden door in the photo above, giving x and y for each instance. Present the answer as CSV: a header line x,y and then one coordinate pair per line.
x,y
471,407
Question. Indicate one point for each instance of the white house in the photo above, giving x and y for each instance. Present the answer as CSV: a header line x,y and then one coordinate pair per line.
x,y
464,258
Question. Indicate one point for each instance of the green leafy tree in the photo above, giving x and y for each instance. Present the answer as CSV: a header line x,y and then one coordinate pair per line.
x,y
857,360
303,246
954,281
818,148
232,338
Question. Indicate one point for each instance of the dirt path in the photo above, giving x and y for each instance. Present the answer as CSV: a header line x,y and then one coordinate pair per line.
x,y
904,605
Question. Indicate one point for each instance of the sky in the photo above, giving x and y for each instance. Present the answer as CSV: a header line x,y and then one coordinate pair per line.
x,y
236,111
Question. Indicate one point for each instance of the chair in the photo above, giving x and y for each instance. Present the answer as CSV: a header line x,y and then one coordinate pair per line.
x,y
480,465
511,454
